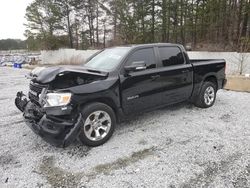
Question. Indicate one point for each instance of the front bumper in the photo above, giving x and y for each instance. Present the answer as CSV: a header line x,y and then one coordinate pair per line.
x,y
51,124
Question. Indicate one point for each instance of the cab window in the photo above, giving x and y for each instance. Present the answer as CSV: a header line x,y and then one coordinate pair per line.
x,y
145,55
171,56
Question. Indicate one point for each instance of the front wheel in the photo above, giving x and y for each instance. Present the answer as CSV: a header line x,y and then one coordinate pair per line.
x,y
99,124
207,95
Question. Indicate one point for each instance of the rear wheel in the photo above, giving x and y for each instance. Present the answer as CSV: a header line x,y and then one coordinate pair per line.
x,y
207,95
99,123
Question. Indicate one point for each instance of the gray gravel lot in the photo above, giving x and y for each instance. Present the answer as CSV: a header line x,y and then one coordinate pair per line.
x,y
177,146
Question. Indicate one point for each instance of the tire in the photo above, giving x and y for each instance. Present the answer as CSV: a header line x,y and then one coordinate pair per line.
x,y
99,124
207,95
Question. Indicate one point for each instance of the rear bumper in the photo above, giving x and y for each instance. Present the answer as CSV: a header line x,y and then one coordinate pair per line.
x,y
221,83
50,124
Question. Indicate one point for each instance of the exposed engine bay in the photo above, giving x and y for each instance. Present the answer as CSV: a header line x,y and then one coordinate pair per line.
x,y
71,79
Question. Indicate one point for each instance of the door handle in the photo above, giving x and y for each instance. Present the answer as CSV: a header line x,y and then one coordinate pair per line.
x,y
155,77
185,71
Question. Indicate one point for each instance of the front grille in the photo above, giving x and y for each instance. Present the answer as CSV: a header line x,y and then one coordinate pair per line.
x,y
35,91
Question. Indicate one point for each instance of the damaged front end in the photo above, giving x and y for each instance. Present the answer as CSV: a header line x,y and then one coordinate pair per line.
x,y
52,124
48,109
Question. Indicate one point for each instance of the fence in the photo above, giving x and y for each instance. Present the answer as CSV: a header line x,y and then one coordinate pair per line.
x,y
233,60
66,56
71,56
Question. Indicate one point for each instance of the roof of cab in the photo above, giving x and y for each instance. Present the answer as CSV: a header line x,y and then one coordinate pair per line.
x,y
149,45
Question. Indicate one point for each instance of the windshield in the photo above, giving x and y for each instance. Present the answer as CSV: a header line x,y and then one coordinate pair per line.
x,y
108,59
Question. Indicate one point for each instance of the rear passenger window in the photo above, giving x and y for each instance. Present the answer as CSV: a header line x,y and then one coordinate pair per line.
x,y
171,56
143,55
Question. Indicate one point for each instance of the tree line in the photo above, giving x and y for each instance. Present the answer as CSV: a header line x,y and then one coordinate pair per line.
x,y
12,44
82,24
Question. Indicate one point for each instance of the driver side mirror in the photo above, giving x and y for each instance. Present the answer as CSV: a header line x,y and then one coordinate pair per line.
x,y
136,66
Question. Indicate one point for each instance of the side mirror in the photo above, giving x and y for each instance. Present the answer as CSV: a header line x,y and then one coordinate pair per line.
x,y
136,66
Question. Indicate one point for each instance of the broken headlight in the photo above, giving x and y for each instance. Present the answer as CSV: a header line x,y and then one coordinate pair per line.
x,y
57,99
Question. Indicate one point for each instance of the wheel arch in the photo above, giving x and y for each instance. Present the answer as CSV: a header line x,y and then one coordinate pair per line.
x,y
105,100
211,78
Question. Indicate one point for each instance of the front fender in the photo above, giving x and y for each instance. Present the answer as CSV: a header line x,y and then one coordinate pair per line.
x,y
106,91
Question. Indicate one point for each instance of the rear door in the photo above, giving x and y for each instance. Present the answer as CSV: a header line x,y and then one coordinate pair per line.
x,y
141,90
176,75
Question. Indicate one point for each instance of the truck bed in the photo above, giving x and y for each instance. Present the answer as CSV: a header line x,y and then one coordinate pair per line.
x,y
207,68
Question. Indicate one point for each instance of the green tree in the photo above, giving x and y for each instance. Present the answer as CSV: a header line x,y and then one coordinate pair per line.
x,y
44,22
97,23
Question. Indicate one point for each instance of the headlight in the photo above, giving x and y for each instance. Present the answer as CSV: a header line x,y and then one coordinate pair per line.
x,y
58,99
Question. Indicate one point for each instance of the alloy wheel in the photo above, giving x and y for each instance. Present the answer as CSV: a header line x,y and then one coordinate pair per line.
x,y
97,125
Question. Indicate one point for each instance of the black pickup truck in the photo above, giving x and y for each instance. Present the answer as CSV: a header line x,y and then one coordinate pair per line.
x,y
86,102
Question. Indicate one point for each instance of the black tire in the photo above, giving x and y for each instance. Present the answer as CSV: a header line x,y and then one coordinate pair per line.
x,y
86,112
201,101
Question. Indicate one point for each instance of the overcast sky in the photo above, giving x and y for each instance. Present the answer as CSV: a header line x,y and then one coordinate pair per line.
x,y
12,18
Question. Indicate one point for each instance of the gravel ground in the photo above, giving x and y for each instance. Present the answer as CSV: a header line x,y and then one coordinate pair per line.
x,y
177,146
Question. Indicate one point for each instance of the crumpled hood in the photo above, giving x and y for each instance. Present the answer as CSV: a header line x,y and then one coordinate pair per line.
x,y
46,75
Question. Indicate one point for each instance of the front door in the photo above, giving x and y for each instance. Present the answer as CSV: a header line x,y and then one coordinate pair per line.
x,y
141,90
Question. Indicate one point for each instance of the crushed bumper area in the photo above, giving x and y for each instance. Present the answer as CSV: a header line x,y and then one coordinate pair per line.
x,y
56,130
21,101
